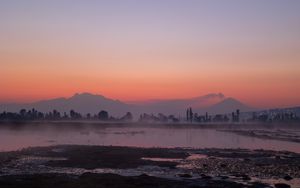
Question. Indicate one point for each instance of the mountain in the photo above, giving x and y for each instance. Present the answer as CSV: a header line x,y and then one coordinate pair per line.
x,y
83,103
178,106
229,105
89,103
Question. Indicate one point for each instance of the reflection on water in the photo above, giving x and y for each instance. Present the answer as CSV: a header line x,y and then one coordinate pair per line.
x,y
17,137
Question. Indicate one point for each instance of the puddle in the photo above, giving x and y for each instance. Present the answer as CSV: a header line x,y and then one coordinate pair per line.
x,y
58,150
293,183
196,156
129,132
37,160
162,159
50,141
162,172
188,163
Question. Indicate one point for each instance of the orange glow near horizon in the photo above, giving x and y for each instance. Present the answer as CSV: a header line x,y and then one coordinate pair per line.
x,y
130,53
254,87
129,78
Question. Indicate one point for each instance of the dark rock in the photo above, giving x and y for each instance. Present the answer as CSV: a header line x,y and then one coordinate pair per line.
x,y
259,185
143,175
246,177
224,177
287,177
185,175
206,177
282,185
260,164
87,180
243,176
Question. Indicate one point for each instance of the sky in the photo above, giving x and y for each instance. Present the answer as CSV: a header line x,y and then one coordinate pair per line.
x,y
149,49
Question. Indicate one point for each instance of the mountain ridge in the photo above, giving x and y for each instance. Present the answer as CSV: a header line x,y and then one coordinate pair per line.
x,y
92,103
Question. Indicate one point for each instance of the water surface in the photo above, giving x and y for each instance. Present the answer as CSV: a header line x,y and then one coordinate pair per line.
x,y
14,137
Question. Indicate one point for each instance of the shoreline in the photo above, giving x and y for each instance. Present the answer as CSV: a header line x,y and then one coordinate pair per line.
x,y
156,124
163,166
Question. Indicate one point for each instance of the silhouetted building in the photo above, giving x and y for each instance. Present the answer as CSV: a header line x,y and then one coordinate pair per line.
x,y
189,115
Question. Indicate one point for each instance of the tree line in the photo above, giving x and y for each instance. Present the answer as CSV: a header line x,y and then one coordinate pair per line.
x,y
33,114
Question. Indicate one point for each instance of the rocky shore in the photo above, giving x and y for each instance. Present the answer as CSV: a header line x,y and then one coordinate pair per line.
x,y
110,166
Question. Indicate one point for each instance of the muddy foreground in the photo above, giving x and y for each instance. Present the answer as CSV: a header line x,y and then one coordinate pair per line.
x,y
109,166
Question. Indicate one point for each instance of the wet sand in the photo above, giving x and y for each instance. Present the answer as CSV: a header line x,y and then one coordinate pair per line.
x,y
110,166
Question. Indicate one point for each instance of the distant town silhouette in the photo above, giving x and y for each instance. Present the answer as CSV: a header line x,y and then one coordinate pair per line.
x,y
283,115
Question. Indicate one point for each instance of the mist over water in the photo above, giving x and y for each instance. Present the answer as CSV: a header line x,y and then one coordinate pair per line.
x,y
14,137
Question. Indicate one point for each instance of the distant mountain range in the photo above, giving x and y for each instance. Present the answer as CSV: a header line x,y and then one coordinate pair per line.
x,y
89,103
213,103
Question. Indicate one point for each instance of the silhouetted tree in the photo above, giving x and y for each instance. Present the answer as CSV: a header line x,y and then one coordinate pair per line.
x,y
65,116
162,117
75,115
173,119
40,115
56,114
72,114
88,116
238,115
103,115
127,117
23,113
187,115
